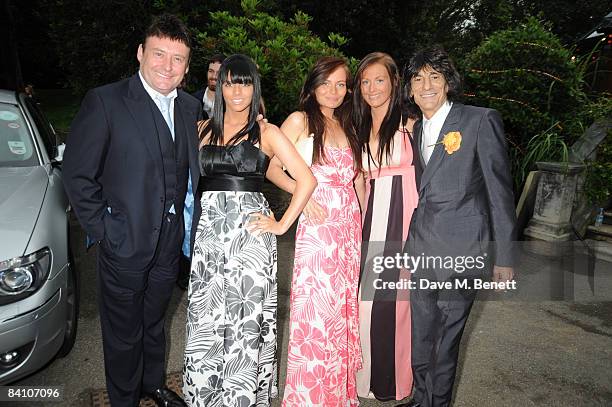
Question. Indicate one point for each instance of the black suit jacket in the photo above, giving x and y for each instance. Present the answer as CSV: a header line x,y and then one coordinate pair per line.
x,y
113,170
465,198
199,94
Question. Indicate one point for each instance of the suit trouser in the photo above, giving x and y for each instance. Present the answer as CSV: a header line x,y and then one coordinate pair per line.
x,y
184,270
133,304
438,320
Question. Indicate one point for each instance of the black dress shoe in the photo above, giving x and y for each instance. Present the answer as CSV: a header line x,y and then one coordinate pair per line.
x,y
411,403
165,397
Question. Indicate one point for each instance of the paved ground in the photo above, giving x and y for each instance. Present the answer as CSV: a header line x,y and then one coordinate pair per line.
x,y
516,352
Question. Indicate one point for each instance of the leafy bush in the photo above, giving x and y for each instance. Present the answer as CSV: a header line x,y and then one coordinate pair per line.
x,y
284,51
96,41
598,184
538,87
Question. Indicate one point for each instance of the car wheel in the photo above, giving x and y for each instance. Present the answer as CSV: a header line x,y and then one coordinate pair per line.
x,y
72,307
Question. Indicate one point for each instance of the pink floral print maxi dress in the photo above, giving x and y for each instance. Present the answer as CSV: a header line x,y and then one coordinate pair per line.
x,y
324,352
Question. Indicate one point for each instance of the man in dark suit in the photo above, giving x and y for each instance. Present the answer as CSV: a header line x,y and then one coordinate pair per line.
x,y
466,209
206,95
127,162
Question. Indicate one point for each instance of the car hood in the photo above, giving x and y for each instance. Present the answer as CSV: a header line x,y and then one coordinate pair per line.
x,y
21,194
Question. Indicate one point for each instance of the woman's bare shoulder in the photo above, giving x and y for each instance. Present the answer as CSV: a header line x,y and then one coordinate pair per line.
x,y
297,118
295,126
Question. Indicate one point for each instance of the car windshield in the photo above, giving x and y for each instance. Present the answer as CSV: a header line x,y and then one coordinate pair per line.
x,y
16,146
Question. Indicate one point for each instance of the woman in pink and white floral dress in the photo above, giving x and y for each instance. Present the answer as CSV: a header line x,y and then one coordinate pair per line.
x,y
324,352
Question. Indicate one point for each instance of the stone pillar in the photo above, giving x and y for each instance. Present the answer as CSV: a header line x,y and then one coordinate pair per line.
x,y
554,202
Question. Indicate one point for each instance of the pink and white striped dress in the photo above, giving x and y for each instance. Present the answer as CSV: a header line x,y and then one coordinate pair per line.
x,y
384,316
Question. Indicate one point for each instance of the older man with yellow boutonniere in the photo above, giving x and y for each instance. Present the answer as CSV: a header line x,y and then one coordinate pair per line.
x,y
465,210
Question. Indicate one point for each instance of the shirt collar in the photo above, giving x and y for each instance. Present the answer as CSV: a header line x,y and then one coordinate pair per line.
x,y
440,115
155,95
206,100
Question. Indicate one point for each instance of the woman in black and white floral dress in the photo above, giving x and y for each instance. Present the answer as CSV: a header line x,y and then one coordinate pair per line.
x,y
230,354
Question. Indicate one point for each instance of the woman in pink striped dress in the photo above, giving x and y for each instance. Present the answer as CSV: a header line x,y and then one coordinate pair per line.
x,y
390,199
324,352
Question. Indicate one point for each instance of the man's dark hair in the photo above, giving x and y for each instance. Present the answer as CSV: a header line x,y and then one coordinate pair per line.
x,y
168,26
217,58
437,59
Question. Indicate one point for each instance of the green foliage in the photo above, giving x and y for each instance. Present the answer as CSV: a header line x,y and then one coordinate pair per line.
x,y
598,185
283,51
400,27
526,74
60,106
569,18
395,27
96,41
531,78
546,146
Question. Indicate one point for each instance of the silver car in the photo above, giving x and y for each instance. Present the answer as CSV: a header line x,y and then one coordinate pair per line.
x,y
38,282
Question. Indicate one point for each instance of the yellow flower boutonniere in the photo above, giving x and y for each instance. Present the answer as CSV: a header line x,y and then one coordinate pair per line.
x,y
451,141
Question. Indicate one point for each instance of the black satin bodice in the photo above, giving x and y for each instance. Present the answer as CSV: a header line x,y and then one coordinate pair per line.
x,y
240,167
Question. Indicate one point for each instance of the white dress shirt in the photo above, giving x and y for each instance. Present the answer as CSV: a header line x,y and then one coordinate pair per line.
x,y
209,104
432,128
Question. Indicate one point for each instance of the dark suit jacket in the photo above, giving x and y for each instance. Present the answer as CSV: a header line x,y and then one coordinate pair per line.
x,y
465,198
113,160
199,94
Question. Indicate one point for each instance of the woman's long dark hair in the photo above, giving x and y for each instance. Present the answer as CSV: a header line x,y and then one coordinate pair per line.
x,y
362,112
316,121
241,70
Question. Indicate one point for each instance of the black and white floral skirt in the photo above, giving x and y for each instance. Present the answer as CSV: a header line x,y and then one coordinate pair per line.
x,y
230,352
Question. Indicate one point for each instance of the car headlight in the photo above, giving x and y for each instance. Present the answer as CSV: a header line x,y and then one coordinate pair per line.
x,y
22,276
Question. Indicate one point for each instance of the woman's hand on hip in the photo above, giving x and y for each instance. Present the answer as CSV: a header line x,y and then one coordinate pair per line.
x,y
261,223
